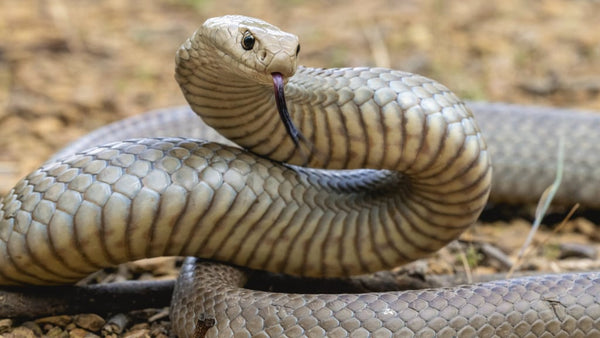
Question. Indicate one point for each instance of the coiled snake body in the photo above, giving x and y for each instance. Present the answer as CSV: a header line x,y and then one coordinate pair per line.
x,y
421,176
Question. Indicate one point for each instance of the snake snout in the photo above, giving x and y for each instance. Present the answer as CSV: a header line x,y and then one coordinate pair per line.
x,y
281,63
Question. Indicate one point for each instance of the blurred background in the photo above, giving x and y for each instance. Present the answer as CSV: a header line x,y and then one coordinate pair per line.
x,y
69,66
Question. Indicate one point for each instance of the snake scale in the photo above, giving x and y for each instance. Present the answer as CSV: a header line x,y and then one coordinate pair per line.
x,y
421,174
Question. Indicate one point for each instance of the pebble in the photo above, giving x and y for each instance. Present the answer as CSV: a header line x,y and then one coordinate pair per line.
x,y
61,321
57,332
140,326
22,332
5,324
33,327
89,321
115,324
159,331
137,333
81,333
587,228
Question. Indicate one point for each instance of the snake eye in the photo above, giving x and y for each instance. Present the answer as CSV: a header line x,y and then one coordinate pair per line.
x,y
248,41
298,50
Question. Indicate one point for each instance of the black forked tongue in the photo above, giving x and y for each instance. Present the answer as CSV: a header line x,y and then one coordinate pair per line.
x,y
283,110
291,129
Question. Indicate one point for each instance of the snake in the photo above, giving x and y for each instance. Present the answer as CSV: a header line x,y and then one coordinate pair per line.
x,y
309,172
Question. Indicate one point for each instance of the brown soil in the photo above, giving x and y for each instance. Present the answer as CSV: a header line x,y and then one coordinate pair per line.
x,y
70,66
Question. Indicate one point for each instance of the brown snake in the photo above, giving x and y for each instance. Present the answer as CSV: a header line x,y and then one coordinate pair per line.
x,y
422,176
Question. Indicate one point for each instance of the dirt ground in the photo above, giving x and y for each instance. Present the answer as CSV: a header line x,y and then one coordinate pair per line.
x,y
70,66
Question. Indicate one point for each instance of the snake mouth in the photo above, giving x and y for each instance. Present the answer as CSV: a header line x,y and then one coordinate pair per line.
x,y
284,114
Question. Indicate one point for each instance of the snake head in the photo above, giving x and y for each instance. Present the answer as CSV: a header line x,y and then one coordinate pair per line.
x,y
238,52
253,48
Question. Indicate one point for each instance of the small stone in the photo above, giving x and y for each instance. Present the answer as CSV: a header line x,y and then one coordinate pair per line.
x,y
33,327
61,321
140,326
137,334
56,332
89,321
159,335
5,324
116,324
587,228
159,331
81,333
22,332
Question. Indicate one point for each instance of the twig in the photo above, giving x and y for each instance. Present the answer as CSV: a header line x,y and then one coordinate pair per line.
x,y
33,302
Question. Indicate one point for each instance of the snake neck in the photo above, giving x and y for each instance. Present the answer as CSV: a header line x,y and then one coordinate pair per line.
x,y
241,109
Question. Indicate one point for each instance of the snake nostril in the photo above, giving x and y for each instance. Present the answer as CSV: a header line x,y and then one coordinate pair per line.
x,y
262,55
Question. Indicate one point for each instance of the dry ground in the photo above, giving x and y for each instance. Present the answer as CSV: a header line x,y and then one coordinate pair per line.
x,y
69,66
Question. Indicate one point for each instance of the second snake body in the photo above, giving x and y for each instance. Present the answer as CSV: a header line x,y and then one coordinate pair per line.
x,y
423,176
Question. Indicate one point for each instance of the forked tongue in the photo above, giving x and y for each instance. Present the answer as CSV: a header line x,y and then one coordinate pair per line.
x,y
284,114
